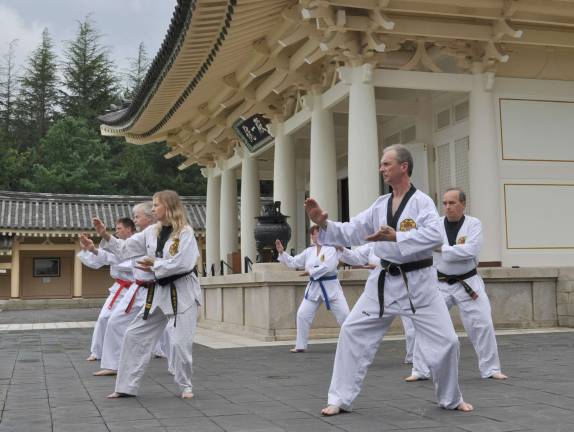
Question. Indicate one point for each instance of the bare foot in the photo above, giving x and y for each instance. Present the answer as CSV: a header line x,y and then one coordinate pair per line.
x,y
116,395
498,376
413,378
465,407
106,372
297,350
330,410
92,358
187,395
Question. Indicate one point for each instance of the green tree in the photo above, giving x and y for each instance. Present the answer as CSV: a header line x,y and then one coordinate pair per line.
x,y
38,96
8,87
71,158
14,166
142,170
89,82
136,73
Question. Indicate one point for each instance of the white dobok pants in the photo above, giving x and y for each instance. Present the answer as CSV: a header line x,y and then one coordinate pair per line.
x,y
409,329
362,333
308,309
101,325
477,322
140,339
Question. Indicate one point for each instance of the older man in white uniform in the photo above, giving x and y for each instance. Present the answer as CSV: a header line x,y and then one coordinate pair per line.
x,y
461,285
405,228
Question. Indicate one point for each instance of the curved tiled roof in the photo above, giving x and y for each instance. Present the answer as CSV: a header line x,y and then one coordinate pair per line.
x,y
159,66
31,211
123,119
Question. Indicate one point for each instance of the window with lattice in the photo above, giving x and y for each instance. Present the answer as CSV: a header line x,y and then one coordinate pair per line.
x,y
461,111
452,166
392,139
461,168
444,177
443,119
408,134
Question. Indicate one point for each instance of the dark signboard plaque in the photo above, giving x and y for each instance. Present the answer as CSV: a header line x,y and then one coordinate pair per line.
x,y
253,132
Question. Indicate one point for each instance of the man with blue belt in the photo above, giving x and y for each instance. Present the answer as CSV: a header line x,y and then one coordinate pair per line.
x,y
320,264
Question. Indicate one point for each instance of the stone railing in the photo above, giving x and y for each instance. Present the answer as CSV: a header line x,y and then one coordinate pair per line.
x,y
263,304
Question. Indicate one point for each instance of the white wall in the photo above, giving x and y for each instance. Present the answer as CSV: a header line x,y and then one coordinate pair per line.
x,y
536,195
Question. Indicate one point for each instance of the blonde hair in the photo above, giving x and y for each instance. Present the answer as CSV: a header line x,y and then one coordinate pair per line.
x,y
176,214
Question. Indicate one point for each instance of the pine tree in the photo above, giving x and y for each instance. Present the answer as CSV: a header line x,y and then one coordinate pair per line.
x,y
88,78
72,159
8,88
38,98
137,71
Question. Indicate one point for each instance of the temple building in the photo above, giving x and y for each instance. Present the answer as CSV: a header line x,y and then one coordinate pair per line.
x,y
481,91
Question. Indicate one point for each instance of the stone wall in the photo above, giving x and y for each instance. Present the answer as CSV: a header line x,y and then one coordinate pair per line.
x,y
263,304
565,297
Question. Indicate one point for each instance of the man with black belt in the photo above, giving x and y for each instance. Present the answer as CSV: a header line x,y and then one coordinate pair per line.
x,y
404,227
461,285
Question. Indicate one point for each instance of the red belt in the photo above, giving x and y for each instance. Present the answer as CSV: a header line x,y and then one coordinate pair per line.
x,y
124,284
139,283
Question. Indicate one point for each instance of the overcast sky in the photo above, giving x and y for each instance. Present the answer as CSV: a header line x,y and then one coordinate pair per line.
x,y
123,24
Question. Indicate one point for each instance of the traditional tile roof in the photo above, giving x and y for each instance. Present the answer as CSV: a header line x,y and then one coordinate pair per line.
x,y
33,213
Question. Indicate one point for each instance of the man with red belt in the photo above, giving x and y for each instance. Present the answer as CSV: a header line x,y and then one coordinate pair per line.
x,y
130,303
122,272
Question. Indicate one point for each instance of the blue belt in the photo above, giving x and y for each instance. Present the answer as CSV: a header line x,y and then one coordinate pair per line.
x,y
320,280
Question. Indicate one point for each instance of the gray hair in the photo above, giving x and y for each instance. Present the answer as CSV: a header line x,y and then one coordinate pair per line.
x,y
403,155
146,208
461,194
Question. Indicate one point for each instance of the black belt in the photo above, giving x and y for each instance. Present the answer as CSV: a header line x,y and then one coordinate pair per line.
x,y
452,279
398,270
168,280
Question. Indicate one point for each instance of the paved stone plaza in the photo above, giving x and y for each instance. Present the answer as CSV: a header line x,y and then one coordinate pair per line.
x,y
46,385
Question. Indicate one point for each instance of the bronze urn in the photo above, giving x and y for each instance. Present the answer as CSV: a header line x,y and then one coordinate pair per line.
x,y
271,225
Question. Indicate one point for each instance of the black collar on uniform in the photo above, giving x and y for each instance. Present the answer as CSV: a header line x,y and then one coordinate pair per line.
x,y
452,229
162,238
393,220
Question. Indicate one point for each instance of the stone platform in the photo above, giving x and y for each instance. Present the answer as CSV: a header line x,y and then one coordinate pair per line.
x,y
263,304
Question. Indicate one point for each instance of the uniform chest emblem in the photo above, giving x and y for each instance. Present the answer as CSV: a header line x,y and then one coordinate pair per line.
x,y
461,240
407,225
322,258
174,248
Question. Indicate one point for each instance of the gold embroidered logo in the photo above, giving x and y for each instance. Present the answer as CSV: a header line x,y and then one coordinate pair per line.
x,y
407,225
174,248
461,240
322,258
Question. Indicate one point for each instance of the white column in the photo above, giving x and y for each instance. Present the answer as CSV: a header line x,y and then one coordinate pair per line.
x,y
249,206
77,272
212,222
284,178
228,214
483,166
15,270
363,150
323,157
